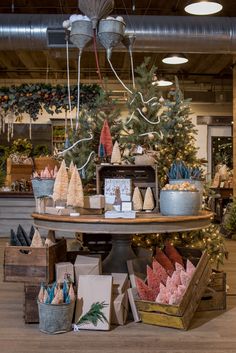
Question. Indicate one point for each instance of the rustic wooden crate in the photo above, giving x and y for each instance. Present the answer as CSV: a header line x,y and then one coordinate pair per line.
x,y
178,316
17,172
33,265
142,176
214,297
41,162
31,315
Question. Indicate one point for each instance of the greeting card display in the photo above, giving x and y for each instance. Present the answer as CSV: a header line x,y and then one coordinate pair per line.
x,y
111,186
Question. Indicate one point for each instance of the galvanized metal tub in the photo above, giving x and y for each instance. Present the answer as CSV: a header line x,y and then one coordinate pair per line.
x,y
197,183
55,318
179,203
42,187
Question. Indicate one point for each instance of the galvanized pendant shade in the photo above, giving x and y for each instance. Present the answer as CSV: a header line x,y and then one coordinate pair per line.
x,y
96,9
110,33
81,33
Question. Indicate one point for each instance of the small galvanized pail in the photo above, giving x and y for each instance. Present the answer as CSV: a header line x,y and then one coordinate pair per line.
x,y
55,318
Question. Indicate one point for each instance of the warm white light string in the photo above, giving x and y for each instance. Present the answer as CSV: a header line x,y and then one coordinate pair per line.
x,y
78,96
76,143
85,164
149,121
88,160
160,134
68,81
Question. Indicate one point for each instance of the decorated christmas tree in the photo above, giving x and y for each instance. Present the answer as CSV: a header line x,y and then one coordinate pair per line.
x,y
163,128
85,154
142,127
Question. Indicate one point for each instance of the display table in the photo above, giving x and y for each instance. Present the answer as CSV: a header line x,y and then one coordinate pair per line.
x,y
122,230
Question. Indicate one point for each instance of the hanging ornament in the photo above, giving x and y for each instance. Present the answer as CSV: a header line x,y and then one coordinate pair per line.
x,y
10,120
161,100
151,136
154,78
2,121
144,110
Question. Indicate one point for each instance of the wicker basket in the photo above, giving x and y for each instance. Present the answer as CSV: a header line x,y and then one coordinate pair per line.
x,y
55,318
42,187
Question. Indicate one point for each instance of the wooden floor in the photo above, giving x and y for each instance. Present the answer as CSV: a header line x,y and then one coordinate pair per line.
x,y
213,332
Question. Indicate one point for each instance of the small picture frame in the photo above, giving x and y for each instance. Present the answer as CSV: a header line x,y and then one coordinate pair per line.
x,y
126,206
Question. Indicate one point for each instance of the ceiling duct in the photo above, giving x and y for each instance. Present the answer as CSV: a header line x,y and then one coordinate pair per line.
x,y
187,34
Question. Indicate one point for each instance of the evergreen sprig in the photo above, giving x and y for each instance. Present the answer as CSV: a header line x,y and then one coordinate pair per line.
x,y
94,315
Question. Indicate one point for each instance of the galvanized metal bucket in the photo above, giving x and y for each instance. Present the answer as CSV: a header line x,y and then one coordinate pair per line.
x,y
42,187
55,318
197,183
179,203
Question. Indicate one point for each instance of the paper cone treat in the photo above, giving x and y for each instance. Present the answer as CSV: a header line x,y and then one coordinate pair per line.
x,y
116,155
75,196
37,241
105,144
61,184
137,199
148,203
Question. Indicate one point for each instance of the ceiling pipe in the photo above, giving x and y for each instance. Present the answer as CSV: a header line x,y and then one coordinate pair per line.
x,y
185,34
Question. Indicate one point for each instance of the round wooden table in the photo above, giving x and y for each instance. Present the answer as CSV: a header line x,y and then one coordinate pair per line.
x,y
122,230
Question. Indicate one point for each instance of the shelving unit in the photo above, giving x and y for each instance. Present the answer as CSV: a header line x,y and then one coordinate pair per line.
x,y
58,133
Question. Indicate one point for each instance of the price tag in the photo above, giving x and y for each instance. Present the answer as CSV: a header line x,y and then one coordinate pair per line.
x,y
75,328
139,149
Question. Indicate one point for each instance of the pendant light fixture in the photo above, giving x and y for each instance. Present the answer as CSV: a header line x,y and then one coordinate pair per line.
x,y
175,59
162,82
203,7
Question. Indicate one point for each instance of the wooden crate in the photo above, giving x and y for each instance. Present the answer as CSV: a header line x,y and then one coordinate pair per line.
x,y
41,162
142,176
31,315
33,265
17,172
178,316
214,297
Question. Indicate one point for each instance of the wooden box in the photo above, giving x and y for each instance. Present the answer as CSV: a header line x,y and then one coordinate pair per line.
x,y
31,315
33,265
17,172
178,316
214,297
41,162
142,176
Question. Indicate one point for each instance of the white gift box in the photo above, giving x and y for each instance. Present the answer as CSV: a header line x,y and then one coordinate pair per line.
x,y
64,271
94,201
120,309
94,289
120,283
87,265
